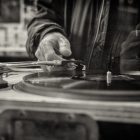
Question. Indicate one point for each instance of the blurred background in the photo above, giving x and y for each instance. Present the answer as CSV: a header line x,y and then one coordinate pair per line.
x,y
14,16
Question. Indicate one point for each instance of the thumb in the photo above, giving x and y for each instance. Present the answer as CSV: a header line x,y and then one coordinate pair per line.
x,y
64,47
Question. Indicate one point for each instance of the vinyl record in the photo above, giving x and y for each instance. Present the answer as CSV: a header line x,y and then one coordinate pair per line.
x,y
92,87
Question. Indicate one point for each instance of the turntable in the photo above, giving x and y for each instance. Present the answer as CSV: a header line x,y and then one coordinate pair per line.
x,y
65,84
63,99
73,83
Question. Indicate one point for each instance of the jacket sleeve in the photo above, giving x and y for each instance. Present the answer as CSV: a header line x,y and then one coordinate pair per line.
x,y
48,18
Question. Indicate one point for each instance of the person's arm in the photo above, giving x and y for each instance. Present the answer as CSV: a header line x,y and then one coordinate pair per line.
x,y
47,25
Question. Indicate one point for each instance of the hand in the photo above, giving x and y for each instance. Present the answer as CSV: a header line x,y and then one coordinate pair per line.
x,y
53,47
130,52
131,46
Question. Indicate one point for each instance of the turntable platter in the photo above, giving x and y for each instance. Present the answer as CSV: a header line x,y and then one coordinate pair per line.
x,y
61,85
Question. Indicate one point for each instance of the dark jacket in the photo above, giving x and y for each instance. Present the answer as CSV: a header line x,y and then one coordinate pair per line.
x,y
84,22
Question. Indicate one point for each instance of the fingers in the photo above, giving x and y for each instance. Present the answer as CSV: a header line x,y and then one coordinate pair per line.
x,y
39,54
130,50
45,47
46,52
64,47
131,46
41,57
53,47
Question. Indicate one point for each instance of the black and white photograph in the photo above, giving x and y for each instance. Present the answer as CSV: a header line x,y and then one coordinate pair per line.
x,y
69,69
